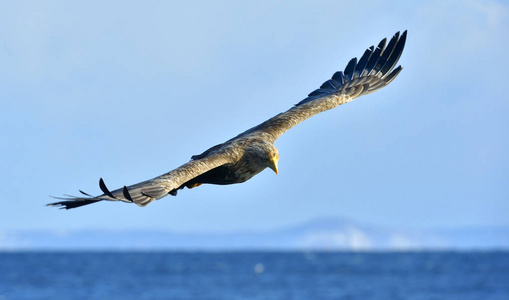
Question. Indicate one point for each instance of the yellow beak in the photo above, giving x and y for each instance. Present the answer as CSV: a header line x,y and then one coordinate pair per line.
x,y
273,165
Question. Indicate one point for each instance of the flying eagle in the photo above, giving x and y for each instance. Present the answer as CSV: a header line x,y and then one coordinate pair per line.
x,y
249,153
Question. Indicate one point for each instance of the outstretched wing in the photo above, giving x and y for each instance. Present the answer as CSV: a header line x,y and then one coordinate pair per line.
x,y
372,72
147,191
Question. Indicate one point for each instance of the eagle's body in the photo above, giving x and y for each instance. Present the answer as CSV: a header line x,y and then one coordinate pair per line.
x,y
251,162
242,157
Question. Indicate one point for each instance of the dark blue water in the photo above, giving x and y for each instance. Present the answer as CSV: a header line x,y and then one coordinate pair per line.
x,y
254,275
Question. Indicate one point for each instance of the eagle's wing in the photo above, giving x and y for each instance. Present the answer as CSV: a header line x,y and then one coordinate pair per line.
x,y
372,72
147,191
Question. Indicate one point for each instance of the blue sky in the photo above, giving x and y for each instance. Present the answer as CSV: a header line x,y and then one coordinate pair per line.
x,y
130,90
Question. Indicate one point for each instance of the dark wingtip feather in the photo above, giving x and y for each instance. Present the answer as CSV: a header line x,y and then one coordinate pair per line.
x,y
86,194
330,84
350,68
374,57
126,194
72,203
105,189
395,55
339,77
393,75
386,53
361,65
318,93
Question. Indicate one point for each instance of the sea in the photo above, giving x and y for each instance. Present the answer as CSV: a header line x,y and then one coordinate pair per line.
x,y
254,275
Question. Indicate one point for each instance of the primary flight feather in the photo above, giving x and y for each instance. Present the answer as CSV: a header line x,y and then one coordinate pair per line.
x,y
250,152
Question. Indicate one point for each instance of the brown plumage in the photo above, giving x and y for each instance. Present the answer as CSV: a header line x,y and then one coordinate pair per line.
x,y
249,153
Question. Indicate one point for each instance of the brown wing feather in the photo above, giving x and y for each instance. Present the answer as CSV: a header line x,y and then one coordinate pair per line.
x,y
147,191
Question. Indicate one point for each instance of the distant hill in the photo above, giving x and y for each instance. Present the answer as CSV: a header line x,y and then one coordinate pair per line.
x,y
328,234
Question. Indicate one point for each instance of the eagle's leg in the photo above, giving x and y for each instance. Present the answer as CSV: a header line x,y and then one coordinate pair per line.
x,y
189,186
193,185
